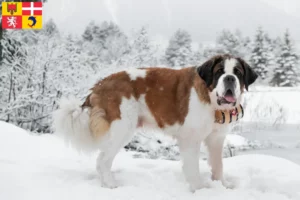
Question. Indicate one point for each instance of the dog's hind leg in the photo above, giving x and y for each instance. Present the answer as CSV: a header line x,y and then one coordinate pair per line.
x,y
106,157
103,167
120,133
190,152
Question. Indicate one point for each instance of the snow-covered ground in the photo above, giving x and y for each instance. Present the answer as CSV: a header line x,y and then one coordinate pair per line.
x,y
283,142
273,106
41,167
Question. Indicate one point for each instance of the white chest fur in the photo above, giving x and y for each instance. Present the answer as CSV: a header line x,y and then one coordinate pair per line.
x,y
199,120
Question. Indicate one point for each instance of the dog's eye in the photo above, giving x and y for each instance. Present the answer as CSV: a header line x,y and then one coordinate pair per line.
x,y
238,72
219,71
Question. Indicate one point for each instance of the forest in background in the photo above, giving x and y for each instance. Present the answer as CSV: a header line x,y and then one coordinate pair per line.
x,y
39,67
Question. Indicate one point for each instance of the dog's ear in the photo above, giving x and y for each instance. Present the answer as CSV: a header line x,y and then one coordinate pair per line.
x,y
205,71
249,74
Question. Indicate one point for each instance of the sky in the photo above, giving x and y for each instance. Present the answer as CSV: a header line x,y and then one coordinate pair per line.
x,y
202,18
291,7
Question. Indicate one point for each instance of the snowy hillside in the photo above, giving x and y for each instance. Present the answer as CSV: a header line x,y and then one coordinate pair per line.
x,y
41,167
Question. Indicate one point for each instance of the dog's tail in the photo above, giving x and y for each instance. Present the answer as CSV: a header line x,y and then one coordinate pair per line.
x,y
72,122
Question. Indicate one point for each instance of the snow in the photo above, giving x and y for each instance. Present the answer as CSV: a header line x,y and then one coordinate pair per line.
x,y
41,167
235,140
272,105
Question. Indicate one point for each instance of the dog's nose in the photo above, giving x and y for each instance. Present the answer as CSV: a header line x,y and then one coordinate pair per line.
x,y
229,79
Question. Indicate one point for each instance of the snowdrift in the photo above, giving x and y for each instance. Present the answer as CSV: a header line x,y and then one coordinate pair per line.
x,y
272,105
41,167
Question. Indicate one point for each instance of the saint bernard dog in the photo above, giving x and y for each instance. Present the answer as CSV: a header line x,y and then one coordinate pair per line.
x,y
180,102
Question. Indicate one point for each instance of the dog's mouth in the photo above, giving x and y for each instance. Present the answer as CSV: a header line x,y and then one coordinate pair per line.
x,y
227,98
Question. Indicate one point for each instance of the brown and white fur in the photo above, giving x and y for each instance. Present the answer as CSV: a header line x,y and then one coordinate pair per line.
x,y
179,102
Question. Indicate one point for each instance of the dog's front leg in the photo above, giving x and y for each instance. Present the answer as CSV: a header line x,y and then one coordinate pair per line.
x,y
190,152
215,143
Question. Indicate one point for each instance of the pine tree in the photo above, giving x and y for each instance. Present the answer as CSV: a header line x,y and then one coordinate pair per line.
x,y
88,34
285,74
276,44
261,56
229,42
50,29
233,43
179,51
141,41
142,51
212,50
198,57
105,32
107,41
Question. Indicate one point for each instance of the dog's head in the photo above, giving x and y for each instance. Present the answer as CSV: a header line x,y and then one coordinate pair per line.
x,y
226,77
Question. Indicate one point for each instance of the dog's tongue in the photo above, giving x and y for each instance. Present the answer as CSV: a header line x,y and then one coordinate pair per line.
x,y
230,99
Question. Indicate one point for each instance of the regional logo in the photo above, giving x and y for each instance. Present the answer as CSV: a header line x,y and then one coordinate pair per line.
x,y
22,15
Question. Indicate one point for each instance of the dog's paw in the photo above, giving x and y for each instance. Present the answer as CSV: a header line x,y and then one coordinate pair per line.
x,y
227,184
197,186
109,182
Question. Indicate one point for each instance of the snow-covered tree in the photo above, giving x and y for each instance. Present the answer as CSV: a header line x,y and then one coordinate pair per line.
x,y
116,47
285,74
90,31
106,40
141,41
212,50
198,55
50,28
229,42
141,46
13,68
179,51
33,77
233,43
262,54
142,50
276,43
64,71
